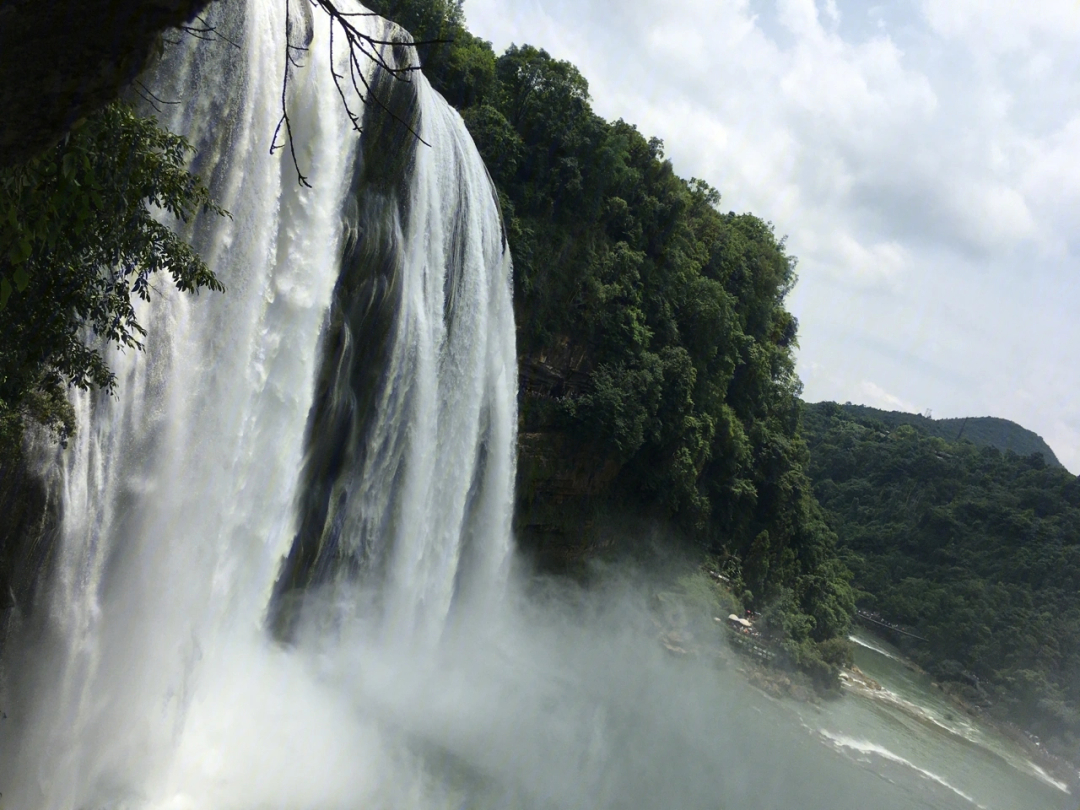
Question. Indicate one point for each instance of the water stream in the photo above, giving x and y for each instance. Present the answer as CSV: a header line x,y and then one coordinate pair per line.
x,y
348,406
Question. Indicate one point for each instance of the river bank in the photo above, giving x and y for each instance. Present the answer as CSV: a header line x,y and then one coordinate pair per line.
x,y
1061,768
949,711
889,720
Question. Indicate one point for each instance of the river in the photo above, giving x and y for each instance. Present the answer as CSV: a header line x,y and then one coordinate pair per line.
x,y
923,750
666,732
569,702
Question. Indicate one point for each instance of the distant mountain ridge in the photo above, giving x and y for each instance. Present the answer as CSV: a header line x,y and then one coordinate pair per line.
x,y
984,431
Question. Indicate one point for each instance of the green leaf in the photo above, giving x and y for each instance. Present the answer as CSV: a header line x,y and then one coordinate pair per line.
x,y
79,213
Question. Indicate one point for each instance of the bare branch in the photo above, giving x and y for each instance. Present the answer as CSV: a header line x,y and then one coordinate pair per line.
x,y
353,118
361,46
154,97
366,45
284,120
414,43
206,31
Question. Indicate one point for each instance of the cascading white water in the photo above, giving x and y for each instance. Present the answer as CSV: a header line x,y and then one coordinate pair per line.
x,y
185,492
348,405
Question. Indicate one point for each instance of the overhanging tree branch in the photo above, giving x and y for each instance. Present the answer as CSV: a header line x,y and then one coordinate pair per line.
x,y
352,87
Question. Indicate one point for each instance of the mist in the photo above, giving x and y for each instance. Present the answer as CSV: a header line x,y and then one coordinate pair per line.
x,y
557,695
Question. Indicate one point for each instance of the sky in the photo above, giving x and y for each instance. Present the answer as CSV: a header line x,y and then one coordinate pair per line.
x,y
921,156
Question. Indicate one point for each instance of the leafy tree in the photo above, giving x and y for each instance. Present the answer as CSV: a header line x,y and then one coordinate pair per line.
x,y
79,242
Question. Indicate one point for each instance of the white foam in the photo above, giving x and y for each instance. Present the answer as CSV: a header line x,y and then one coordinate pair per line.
x,y
1048,779
873,648
869,748
965,731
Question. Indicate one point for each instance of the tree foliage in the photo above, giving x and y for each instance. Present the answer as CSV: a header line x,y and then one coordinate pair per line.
x,y
989,431
975,549
81,239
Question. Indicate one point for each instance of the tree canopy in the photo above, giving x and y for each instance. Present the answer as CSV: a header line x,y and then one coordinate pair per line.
x,y
988,431
80,241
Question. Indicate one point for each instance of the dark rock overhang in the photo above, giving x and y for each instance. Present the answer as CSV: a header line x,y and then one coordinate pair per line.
x,y
61,60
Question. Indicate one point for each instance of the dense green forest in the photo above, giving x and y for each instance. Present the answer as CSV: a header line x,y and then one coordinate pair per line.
x,y
974,549
652,331
985,431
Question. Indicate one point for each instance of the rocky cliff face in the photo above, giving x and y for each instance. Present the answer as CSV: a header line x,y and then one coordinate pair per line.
x,y
559,494
28,530
561,485
61,60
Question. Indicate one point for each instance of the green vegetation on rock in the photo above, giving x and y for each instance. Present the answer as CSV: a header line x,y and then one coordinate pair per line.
x,y
974,549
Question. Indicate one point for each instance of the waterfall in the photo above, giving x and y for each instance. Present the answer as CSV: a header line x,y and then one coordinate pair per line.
x,y
347,407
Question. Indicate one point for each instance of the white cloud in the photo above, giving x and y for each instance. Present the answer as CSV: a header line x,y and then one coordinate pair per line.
x,y
800,17
1001,26
831,11
1051,178
991,215
924,160
872,265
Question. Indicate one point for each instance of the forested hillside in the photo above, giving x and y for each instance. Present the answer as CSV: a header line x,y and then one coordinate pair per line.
x,y
976,550
985,431
656,352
